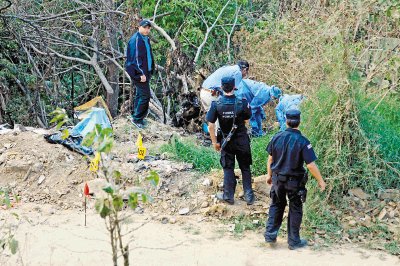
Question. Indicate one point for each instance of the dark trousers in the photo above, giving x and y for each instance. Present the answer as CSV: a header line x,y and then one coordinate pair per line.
x,y
239,147
142,99
279,191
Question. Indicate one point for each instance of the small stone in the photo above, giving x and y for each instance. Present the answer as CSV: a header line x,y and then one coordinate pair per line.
x,y
352,223
362,203
164,220
207,182
231,227
256,222
359,193
221,185
184,211
37,167
172,220
164,205
382,214
9,145
19,128
390,194
41,179
204,204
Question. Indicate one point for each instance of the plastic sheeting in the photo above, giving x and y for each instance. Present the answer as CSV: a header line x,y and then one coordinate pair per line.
x,y
95,116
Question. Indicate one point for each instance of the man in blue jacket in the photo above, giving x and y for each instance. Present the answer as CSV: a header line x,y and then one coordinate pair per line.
x,y
257,94
140,66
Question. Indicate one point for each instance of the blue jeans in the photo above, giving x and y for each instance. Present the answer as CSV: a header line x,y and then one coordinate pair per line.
x,y
141,103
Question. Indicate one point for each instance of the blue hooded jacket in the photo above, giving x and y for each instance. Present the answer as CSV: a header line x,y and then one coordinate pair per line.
x,y
137,61
287,102
214,80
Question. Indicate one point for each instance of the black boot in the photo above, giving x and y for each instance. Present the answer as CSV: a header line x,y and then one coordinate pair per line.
x,y
220,196
301,244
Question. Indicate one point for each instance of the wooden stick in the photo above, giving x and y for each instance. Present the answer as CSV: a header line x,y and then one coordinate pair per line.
x,y
85,210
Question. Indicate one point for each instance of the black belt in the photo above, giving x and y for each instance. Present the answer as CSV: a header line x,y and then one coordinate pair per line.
x,y
287,177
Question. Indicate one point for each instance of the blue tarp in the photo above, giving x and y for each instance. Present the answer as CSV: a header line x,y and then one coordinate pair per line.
x,y
95,116
76,134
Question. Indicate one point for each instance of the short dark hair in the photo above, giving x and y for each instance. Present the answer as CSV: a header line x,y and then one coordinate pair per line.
x,y
243,64
293,123
227,87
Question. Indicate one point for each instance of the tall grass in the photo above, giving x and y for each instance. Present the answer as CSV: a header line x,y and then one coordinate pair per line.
x,y
187,150
206,158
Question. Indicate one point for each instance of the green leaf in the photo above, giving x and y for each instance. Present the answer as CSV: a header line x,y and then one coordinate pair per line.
x,y
102,208
104,212
106,145
108,190
98,128
7,201
13,244
118,202
133,200
117,176
61,123
106,132
65,134
154,178
58,118
89,139
144,198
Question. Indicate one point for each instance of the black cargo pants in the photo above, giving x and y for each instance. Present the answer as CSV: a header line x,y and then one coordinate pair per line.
x,y
283,187
239,147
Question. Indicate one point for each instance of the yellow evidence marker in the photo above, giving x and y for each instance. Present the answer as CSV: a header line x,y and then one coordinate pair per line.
x,y
141,148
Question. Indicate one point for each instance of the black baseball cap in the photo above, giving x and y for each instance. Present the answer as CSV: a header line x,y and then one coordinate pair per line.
x,y
228,83
145,23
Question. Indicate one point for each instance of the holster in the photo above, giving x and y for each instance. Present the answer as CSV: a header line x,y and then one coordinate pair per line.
x,y
302,188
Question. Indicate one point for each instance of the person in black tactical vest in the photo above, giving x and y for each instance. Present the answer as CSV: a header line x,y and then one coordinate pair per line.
x,y
232,113
288,150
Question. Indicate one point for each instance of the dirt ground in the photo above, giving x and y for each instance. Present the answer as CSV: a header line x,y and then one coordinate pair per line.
x,y
184,225
60,238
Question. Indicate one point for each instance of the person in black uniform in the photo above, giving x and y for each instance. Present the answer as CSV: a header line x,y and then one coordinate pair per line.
x,y
288,150
231,111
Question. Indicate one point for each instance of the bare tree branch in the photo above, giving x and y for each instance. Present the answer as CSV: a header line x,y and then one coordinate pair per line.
x,y
155,10
164,34
209,29
7,6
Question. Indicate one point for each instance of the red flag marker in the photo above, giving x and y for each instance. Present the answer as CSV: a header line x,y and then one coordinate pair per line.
x,y
86,190
86,193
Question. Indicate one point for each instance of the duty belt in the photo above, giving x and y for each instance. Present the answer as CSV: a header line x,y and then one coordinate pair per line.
x,y
287,177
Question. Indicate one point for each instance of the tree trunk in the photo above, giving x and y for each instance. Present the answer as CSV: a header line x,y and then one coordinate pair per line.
x,y
112,27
